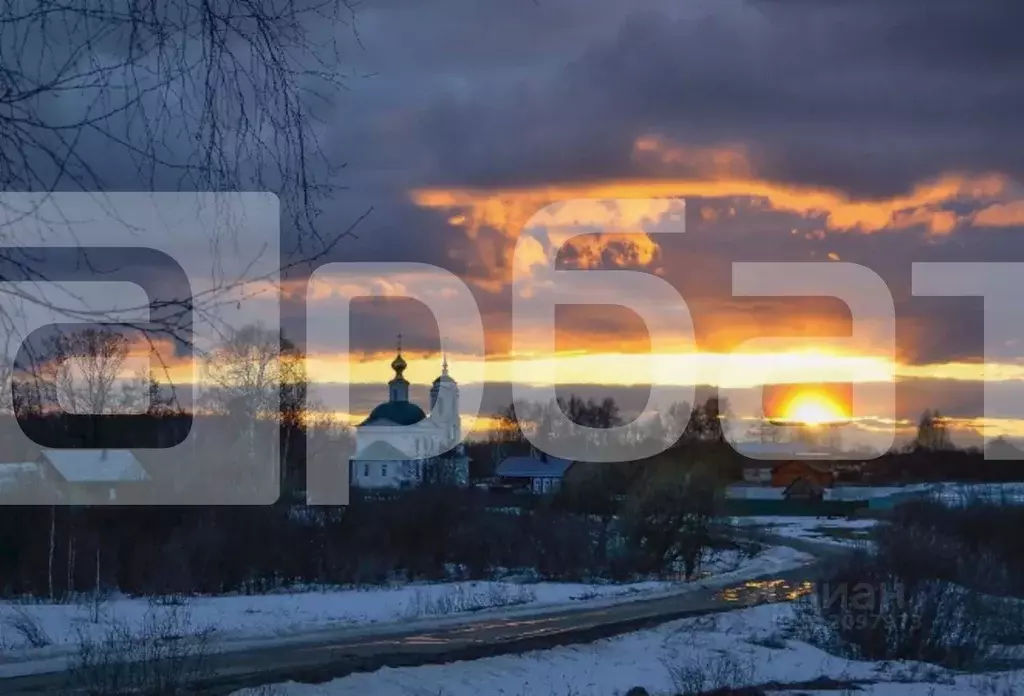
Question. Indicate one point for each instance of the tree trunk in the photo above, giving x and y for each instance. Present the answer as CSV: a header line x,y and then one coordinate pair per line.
x,y
96,588
71,564
53,541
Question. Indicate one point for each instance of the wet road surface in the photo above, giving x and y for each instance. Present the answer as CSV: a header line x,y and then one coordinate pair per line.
x,y
326,656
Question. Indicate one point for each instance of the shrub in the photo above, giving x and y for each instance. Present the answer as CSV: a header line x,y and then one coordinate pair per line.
x,y
162,658
872,612
667,520
460,599
28,627
968,545
693,676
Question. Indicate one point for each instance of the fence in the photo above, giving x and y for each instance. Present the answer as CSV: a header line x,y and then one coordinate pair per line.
x,y
743,507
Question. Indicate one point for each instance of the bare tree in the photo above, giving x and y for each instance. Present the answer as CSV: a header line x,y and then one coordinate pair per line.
x,y
679,415
204,95
140,393
256,369
259,377
932,432
167,95
507,438
706,422
82,369
445,470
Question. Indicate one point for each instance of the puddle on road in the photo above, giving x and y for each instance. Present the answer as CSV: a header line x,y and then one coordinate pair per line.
x,y
762,591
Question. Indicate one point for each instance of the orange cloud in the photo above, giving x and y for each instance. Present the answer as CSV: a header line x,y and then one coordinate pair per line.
x,y
595,251
719,172
508,210
939,222
1001,215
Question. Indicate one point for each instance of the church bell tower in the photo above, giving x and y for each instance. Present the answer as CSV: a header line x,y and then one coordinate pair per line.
x,y
444,403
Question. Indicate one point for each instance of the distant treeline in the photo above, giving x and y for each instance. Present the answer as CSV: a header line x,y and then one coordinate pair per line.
x,y
942,465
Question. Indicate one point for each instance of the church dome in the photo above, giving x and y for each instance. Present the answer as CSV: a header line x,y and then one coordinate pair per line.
x,y
398,365
400,412
444,377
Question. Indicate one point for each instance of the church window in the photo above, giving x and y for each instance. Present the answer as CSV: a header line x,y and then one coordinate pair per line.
x,y
383,469
366,469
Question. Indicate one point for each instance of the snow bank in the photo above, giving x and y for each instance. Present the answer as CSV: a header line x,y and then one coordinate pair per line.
x,y
734,649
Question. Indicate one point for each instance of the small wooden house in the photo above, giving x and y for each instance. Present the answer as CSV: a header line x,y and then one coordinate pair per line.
x,y
804,489
786,473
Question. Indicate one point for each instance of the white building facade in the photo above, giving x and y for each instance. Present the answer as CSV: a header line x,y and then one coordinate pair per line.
x,y
397,445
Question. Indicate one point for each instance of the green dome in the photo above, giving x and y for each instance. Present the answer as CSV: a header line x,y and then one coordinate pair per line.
x,y
400,412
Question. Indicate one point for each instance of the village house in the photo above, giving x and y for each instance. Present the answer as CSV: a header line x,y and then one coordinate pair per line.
x,y
787,473
806,489
537,473
72,476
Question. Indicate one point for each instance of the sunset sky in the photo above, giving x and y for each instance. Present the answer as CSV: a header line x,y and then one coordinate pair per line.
x,y
876,133
879,133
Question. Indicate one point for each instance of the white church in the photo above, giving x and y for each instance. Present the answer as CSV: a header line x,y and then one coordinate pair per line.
x,y
399,446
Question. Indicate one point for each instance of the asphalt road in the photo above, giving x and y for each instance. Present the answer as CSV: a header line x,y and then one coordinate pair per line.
x,y
330,655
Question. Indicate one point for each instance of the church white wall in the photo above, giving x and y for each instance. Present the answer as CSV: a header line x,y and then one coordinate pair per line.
x,y
383,475
372,474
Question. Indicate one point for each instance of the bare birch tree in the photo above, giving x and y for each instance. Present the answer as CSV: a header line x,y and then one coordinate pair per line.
x,y
83,369
169,95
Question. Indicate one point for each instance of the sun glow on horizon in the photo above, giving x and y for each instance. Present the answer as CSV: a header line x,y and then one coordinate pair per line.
x,y
812,408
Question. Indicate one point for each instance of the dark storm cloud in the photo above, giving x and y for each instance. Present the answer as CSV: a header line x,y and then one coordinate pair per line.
x,y
946,32
871,97
868,95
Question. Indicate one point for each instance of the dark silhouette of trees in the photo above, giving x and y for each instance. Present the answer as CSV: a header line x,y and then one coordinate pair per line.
x,y
706,421
932,433
668,516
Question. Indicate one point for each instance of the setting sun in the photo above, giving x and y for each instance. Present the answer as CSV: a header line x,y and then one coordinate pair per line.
x,y
812,408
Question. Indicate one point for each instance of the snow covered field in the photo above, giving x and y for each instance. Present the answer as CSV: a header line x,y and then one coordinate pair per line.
x,y
57,628
828,530
758,492
744,647
949,493
962,493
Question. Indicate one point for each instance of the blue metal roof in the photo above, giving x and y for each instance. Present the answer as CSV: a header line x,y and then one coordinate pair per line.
x,y
530,467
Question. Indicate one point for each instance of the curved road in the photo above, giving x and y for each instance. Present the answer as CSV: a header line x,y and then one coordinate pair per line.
x,y
332,654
